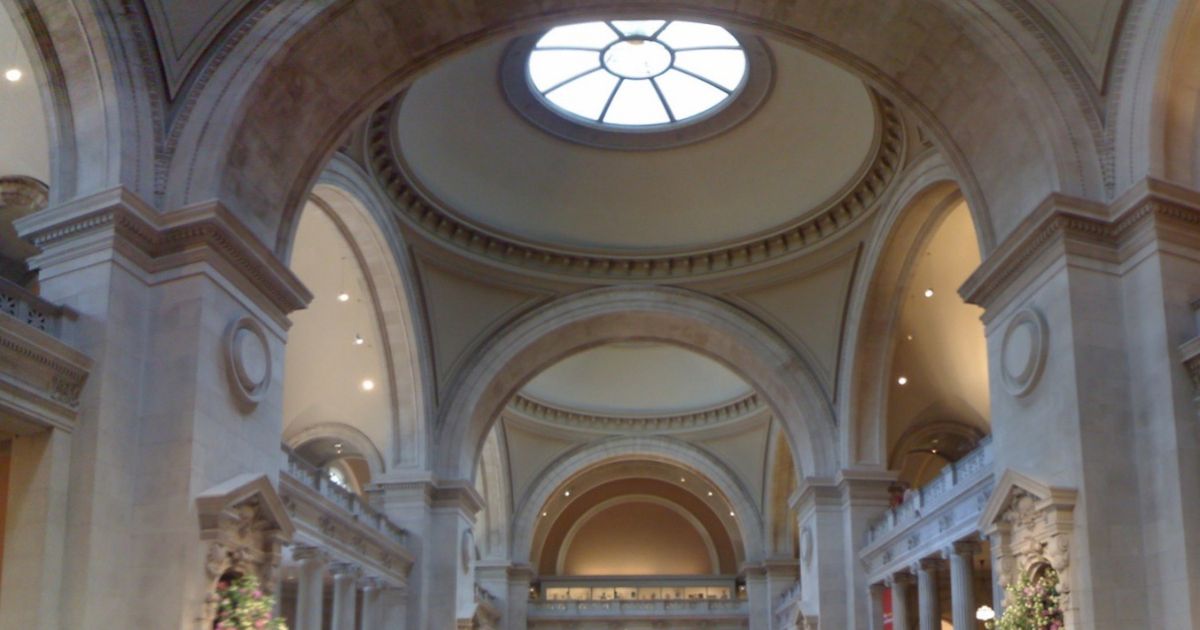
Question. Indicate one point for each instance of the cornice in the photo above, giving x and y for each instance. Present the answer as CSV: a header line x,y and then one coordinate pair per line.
x,y
43,372
160,242
1081,227
539,411
24,192
424,215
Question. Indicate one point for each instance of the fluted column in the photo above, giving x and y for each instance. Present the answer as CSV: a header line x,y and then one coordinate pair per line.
x,y
962,583
875,602
310,586
901,583
370,619
344,577
928,603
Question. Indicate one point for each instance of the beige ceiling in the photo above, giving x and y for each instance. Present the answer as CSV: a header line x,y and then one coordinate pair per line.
x,y
324,369
640,378
24,149
945,362
468,148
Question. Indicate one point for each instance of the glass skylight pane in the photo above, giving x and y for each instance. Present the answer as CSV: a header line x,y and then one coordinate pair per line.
x,y
723,67
586,95
693,35
687,95
636,103
548,68
638,28
589,35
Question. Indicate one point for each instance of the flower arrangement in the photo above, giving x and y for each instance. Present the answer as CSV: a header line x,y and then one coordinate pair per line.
x,y
1033,603
244,606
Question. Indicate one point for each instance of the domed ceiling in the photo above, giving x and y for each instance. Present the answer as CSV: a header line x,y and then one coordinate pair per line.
x,y
466,148
638,378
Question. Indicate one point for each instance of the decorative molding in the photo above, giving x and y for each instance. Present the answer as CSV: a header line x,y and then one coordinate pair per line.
x,y
247,361
160,242
732,411
1085,228
245,525
424,215
1020,374
1030,523
41,378
23,192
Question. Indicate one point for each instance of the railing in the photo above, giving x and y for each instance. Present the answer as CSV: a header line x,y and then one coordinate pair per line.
x,y
697,608
955,476
18,302
315,479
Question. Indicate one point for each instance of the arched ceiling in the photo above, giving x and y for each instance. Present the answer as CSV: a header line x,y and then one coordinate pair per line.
x,y
636,378
468,148
24,148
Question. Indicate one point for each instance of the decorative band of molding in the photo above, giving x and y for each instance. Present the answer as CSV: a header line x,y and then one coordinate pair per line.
x,y
424,215
45,364
734,410
23,192
1060,218
158,242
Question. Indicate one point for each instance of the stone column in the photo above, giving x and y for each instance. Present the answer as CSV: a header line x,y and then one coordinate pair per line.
x,y
875,615
393,608
759,598
310,587
1001,563
901,582
962,583
370,618
781,575
344,577
929,608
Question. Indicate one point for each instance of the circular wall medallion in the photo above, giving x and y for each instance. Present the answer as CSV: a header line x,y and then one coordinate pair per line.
x,y
806,545
248,361
1023,352
467,547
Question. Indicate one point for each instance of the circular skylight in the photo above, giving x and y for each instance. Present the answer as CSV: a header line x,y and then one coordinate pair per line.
x,y
637,73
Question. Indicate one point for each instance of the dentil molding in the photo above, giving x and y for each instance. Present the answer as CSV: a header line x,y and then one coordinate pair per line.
x,y
558,416
425,215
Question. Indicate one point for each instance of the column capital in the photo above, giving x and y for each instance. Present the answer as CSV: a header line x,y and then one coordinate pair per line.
x,y
962,548
901,578
344,570
370,584
309,553
932,563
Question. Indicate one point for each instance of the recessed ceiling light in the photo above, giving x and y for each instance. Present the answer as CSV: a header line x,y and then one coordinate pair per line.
x,y
368,385
567,493
903,380
710,493
928,293
358,340
682,480
731,512
909,337
544,513
343,297
13,74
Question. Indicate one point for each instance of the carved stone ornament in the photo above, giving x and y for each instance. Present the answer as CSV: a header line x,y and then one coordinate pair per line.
x,y
1023,352
806,545
466,549
245,525
1030,525
248,362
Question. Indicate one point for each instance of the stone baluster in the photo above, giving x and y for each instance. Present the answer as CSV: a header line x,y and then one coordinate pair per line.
x,y
310,586
929,609
901,583
344,577
962,582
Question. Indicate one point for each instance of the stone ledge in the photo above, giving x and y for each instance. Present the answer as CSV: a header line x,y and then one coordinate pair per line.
x,y
41,379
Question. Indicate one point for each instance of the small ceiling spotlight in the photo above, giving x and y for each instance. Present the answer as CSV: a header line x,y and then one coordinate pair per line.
x,y
567,493
343,297
710,493
928,293
908,337
682,480
358,340
13,75
731,512
544,513
337,447
368,385
903,380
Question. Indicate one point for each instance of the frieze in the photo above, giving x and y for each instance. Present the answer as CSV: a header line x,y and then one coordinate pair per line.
x,y
737,409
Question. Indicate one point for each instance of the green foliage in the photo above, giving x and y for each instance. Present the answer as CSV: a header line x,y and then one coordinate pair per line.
x,y
1032,604
244,606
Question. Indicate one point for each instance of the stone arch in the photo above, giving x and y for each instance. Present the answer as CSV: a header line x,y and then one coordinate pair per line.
x,y
344,432
925,196
778,516
260,134
104,123
595,317
345,195
748,518
493,484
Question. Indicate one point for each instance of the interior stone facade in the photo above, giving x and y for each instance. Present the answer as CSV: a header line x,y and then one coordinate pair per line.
x,y
306,291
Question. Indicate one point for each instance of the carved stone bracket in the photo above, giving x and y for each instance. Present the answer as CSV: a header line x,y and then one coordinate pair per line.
x,y
245,526
1030,524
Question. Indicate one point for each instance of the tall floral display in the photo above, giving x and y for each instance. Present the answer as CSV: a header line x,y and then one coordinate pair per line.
x,y
1033,603
244,606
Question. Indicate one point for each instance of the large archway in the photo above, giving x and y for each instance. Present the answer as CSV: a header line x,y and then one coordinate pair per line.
x,y
591,318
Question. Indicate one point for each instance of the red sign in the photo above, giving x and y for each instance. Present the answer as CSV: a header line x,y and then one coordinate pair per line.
x,y
887,609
